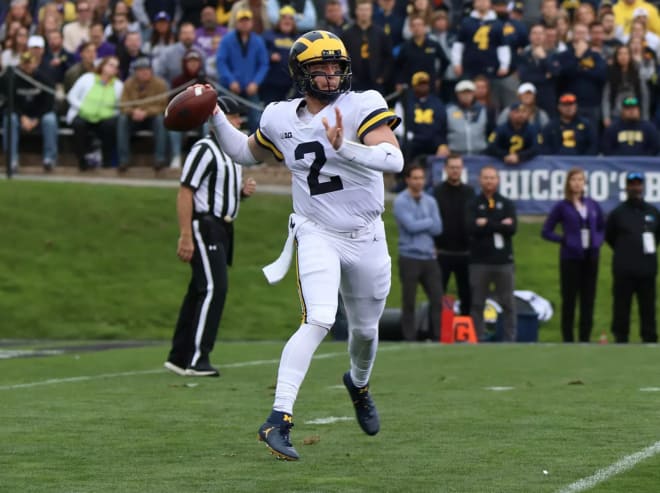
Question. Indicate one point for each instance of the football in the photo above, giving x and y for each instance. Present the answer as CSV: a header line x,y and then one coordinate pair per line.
x,y
190,108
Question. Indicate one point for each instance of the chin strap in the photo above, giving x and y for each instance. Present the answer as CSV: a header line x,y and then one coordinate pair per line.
x,y
379,157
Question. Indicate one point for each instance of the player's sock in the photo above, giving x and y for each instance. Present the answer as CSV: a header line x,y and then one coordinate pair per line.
x,y
294,363
362,346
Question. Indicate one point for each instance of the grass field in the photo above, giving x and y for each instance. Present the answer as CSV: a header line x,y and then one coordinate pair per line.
x,y
88,261
114,421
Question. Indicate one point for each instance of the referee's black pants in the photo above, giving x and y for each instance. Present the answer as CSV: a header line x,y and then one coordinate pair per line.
x,y
623,289
202,306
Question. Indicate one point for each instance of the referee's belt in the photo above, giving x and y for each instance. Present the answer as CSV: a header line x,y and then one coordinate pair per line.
x,y
226,219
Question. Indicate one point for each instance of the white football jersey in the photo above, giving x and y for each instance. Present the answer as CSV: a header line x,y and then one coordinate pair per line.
x,y
326,188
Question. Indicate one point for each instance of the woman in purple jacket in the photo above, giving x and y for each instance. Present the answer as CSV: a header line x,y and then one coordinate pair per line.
x,y
583,226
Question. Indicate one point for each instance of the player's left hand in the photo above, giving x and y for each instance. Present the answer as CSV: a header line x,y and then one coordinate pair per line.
x,y
335,134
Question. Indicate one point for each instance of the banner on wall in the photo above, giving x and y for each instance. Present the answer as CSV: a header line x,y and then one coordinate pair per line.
x,y
536,185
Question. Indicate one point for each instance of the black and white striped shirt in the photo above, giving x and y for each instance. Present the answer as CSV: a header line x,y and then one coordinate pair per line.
x,y
214,177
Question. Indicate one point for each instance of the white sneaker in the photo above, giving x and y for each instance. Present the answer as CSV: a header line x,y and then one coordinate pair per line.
x,y
175,163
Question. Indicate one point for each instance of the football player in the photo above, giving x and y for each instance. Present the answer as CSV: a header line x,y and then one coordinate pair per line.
x,y
337,144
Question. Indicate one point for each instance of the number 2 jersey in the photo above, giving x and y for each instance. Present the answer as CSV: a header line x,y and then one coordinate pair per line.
x,y
327,189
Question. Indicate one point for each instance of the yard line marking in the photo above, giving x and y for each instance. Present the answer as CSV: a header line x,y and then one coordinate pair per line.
x,y
650,389
85,378
618,467
329,420
499,389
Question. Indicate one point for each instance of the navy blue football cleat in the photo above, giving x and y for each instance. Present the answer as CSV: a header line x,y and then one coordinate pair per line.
x,y
276,438
365,409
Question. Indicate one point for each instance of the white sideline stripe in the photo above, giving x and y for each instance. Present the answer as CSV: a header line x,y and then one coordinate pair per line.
x,y
85,378
618,467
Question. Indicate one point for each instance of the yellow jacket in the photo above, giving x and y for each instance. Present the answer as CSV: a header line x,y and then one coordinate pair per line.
x,y
623,15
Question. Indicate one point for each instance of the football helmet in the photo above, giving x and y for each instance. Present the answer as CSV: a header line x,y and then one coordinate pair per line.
x,y
318,47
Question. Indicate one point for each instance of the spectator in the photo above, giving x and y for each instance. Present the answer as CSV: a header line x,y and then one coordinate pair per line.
x,y
467,121
334,19
33,106
146,11
77,32
101,12
629,135
481,48
538,67
277,84
453,198
650,40
121,8
116,32
418,220
369,50
417,8
18,13
305,12
491,223
552,43
162,35
527,97
585,13
86,64
569,134
624,11
583,73
242,62
420,53
138,115
51,21
128,52
191,10
390,20
424,131
93,108
11,56
65,8
583,231
644,58
633,231
207,38
37,46
610,38
549,12
623,80
260,20
168,64
441,32
482,94
56,60
104,48
516,140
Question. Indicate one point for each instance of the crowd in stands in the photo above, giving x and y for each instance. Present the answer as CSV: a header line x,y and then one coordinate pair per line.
x,y
508,79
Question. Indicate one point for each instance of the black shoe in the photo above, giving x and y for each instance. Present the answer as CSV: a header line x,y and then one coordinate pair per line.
x,y
202,369
276,438
365,409
174,368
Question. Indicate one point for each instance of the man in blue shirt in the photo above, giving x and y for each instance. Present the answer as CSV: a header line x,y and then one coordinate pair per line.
x,y
418,219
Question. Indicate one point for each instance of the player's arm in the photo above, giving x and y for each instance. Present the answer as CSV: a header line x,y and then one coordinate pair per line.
x,y
241,148
379,152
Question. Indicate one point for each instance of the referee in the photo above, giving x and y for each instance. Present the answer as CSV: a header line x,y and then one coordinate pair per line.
x,y
207,204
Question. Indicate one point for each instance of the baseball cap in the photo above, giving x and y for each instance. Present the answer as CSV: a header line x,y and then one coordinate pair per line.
x,y
640,12
36,41
420,78
518,7
515,106
162,16
630,102
527,87
287,10
634,176
192,54
567,98
228,105
244,14
141,62
465,85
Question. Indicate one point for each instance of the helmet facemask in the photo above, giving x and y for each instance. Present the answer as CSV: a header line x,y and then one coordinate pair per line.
x,y
309,86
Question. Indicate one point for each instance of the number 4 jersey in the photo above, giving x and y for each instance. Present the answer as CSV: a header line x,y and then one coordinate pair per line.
x,y
329,190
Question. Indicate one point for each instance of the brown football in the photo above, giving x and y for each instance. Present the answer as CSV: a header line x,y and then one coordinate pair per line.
x,y
190,108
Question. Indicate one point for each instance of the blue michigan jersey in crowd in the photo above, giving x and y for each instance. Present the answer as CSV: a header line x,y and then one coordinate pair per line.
x,y
481,38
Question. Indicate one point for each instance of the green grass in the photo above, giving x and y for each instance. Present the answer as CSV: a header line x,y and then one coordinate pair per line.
x,y
98,261
572,410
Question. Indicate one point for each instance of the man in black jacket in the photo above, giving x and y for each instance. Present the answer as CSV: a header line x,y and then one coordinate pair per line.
x,y
369,49
633,232
454,197
492,222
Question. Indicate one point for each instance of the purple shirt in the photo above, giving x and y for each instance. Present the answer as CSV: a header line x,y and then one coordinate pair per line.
x,y
565,213
209,42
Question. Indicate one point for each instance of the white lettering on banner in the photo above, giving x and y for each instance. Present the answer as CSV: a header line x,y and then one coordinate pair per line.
x,y
509,184
557,181
524,184
599,186
652,187
539,191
